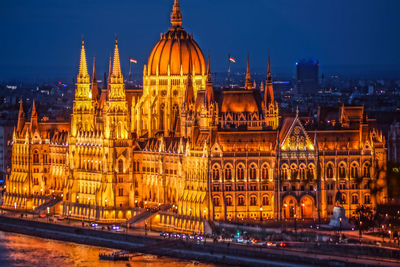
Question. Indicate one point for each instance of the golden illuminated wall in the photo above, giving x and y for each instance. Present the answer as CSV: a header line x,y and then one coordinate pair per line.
x,y
99,186
282,183
38,163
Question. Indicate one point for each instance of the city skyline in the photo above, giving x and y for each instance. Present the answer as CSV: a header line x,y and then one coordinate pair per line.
x,y
42,39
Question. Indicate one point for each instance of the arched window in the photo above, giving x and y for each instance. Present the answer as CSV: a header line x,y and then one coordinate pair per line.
x,y
342,170
366,170
35,157
265,201
240,172
354,199
228,172
253,201
120,192
120,166
253,172
302,172
293,172
228,201
264,172
329,170
367,199
310,172
284,172
241,201
216,201
354,170
215,172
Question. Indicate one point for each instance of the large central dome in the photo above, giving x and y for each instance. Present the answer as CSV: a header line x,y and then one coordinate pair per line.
x,y
174,49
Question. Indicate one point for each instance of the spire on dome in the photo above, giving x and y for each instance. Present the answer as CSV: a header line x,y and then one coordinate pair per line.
x,y
176,15
21,117
248,84
95,86
83,76
269,90
116,70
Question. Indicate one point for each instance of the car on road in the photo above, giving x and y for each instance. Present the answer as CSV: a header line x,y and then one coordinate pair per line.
x,y
237,239
268,244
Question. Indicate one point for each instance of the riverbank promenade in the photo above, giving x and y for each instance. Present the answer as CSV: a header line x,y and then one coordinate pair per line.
x,y
207,250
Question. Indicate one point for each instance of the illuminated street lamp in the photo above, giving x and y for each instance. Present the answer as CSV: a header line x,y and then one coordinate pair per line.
x,y
261,215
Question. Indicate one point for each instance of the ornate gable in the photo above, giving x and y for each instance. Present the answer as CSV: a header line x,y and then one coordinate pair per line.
x,y
296,138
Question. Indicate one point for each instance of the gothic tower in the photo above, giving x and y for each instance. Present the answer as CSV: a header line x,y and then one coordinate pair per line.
x,y
270,106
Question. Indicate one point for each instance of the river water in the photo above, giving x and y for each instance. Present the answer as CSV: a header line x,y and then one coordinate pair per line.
x,y
22,250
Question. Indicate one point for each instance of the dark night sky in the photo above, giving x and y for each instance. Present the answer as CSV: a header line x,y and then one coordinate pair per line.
x,y
41,39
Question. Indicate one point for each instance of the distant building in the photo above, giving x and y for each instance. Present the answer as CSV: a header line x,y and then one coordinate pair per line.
x,y
6,131
307,76
394,142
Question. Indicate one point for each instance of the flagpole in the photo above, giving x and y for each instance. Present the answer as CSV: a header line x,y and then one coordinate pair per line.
x,y
130,72
229,70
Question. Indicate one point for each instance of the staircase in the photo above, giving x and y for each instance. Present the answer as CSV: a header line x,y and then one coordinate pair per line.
x,y
49,203
144,215
147,213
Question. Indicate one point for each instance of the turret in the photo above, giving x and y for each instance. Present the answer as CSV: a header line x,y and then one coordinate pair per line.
x,y
248,84
269,90
116,83
95,86
189,95
21,118
83,79
34,118
270,107
116,75
209,85
83,76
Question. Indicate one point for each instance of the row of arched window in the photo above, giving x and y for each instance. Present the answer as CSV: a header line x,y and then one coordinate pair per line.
x,y
228,173
241,201
344,172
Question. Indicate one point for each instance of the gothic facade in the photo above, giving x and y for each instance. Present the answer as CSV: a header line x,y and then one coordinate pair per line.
x,y
201,153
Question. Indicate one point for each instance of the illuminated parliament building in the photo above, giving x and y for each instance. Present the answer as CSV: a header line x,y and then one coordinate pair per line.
x,y
198,153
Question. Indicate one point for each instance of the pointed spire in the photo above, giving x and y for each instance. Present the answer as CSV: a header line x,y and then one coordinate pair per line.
x,y
248,84
21,117
33,113
209,84
189,96
269,90
116,70
83,76
95,86
176,15
109,69
34,117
